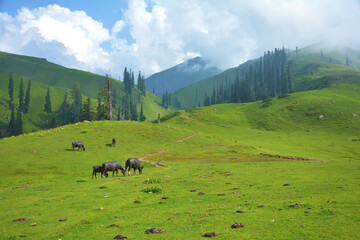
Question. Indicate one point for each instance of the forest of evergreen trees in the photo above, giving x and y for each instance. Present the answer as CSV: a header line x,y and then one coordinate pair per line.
x,y
267,77
112,104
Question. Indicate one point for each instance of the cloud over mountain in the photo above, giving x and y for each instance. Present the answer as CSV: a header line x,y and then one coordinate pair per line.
x,y
163,33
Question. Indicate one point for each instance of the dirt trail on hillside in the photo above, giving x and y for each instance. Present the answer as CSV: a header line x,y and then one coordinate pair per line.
x,y
152,154
161,151
180,140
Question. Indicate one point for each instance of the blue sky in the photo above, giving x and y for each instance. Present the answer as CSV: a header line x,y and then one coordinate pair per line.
x,y
152,35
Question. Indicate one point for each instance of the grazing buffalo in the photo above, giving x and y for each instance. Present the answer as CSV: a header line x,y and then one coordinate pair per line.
x,y
113,166
113,142
133,163
97,169
79,145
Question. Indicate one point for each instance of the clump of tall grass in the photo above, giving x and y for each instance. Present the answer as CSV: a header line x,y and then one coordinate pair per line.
x,y
152,180
153,190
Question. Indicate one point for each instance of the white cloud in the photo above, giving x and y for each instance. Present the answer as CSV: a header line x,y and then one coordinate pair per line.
x,y
169,32
118,26
75,33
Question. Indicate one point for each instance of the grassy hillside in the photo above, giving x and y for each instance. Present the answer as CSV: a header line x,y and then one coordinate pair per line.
x,y
38,69
43,74
311,67
291,174
35,119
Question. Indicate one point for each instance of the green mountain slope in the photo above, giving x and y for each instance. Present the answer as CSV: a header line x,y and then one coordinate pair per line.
x,y
42,74
39,69
276,166
311,68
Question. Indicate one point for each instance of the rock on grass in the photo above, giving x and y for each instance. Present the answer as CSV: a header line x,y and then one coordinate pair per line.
x,y
21,220
155,230
210,234
120,237
237,225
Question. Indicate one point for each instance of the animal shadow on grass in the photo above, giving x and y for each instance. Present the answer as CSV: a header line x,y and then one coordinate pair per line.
x,y
109,145
69,149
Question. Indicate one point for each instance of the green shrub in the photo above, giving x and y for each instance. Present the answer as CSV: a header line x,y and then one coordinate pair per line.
x,y
283,96
167,117
267,102
152,180
153,190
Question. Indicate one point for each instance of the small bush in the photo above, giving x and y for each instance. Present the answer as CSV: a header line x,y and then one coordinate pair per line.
x,y
153,190
267,102
167,117
152,180
283,96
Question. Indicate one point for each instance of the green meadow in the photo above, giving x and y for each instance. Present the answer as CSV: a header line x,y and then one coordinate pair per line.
x,y
287,168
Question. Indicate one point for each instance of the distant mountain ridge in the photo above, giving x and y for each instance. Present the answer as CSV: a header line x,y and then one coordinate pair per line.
x,y
181,75
312,66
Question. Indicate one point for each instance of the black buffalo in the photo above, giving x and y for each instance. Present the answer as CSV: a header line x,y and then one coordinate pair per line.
x,y
97,169
79,145
133,163
113,142
113,166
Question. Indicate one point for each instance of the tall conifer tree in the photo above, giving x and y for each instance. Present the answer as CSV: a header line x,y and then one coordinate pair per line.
x,y
27,98
12,123
76,104
47,106
11,92
18,123
21,96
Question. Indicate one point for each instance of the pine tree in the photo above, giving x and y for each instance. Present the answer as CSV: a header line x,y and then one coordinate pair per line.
x,y
11,92
27,98
141,113
12,123
126,80
108,95
87,112
119,114
47,106
244,92
206,100
132,80
126,107
65,111
21,96
76,104
18,123
134,114
53,121
213,98
99,109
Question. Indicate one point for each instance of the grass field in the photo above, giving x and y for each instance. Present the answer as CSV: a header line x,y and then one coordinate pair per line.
x,y
240,156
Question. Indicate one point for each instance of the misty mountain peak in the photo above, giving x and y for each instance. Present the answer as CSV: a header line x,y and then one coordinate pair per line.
x,y
181,75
